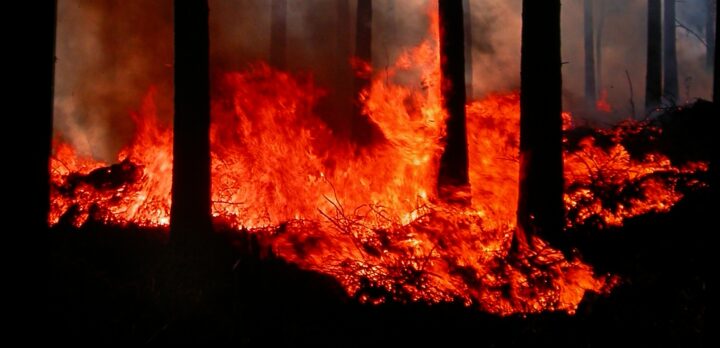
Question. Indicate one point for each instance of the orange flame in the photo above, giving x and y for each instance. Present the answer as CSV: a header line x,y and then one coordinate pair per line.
x,y
368,216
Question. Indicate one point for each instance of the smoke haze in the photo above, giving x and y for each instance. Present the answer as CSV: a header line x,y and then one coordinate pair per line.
x,y
109,53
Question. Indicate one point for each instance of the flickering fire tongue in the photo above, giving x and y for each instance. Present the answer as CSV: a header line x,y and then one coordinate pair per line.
x,y
369,216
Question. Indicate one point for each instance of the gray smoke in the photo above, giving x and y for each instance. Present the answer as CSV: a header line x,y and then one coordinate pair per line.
x,y
110,52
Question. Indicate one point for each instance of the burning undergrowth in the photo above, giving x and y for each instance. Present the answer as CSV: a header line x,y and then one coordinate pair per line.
x,y
369,216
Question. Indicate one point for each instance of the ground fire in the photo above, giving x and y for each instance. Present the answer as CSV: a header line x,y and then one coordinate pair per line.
x,y
369,215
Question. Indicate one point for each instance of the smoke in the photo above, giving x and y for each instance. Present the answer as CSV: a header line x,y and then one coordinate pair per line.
x,y
624,35
109,53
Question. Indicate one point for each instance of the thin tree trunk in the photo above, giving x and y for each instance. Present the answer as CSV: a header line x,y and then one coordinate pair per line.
x,y
363,52
278,34
540,202
710,33
716,71
653,77
467,20
363,34
41,134
598,45
343,72
590,91
670,75
190,210
453,182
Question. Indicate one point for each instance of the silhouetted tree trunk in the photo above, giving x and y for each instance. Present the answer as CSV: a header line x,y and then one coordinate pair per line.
x,y
39,136
670,75
710,32
363,33
540,202
716,71
653,78
453,182
278,34
343,72
590,92
190,210
467,21
598,45
363,52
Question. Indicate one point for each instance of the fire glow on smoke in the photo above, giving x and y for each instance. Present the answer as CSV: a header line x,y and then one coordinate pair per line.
x,y
369,216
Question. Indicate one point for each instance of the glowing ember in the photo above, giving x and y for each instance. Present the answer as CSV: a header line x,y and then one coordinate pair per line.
x,y
368,216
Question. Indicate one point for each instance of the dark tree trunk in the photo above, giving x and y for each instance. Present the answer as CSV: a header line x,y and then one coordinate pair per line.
x,y
710,33
343,72
590,92
598,45
190,210
716,84
363,34
342,32
653,78
540,202
670,75
40,133
278,34
453,181
467,21
363,52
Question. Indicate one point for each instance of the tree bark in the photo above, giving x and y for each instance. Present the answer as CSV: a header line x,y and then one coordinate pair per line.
x,y
453,181
590,90
670,74
467,21
190,210
278,34
653,77
540,202
710,31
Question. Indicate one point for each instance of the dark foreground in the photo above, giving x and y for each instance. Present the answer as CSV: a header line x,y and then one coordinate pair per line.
x,y
113,285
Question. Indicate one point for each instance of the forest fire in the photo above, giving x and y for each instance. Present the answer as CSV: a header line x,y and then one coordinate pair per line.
x,y
369,216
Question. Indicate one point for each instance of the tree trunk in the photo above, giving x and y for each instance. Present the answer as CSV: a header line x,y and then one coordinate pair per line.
x,y
590,92
670,75
453,181
360,128
467,21
363,34
278,34
343,72
40,136
390,34
653,78
190,210
598,45
716,84
540,202
710,33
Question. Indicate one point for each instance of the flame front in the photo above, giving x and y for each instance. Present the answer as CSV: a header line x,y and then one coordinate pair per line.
x,y
369,215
